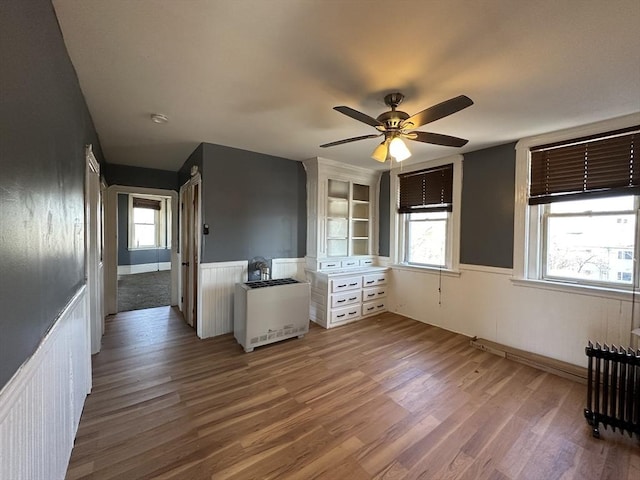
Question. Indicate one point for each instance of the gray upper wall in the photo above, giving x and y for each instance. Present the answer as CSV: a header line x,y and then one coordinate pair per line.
x,y
486,223
383,214
44,127
141,177
254,204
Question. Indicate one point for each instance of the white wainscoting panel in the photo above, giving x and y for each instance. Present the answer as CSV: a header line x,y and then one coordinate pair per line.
x,y
288,268
41,405
485,302
217,285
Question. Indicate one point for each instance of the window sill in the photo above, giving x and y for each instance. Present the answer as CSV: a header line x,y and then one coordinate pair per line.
x,y
590,290
428,270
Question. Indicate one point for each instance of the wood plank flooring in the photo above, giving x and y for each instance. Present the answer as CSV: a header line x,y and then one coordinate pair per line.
x,y
383,398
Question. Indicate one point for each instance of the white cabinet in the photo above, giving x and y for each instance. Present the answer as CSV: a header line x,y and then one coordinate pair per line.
x,y
339,298
342,208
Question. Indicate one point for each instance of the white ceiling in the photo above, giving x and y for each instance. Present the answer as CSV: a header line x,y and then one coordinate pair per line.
x,y
263,75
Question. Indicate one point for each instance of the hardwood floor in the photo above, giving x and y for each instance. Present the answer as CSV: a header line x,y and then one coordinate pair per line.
x,y
384,398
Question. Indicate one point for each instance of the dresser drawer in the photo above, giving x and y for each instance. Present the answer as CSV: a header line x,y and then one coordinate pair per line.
x,y
347,313
350,263
371,308
346,298
374,279
346,283
330,264
369,294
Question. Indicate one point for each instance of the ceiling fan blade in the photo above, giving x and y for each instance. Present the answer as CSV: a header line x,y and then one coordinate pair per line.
x,y
437,112
356,115
348,140
436,138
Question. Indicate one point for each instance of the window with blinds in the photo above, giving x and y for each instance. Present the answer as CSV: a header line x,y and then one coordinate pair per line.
x,y
588,167
429,190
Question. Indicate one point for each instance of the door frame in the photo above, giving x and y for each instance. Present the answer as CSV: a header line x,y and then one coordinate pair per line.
x,y
111,242
190,230
93,207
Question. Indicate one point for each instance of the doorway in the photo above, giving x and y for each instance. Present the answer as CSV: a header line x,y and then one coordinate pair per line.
x,y
144,251
114,234
190,250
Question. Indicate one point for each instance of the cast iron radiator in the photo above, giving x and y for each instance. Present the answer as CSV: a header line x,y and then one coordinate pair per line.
x,y
613,389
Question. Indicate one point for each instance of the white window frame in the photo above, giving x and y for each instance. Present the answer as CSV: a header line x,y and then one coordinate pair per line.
x,y
162,218
398,240
527,248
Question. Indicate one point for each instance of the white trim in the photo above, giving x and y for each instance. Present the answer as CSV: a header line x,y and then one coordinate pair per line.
x,y
486,269
40,406
143,268
580,289
396,240
425,270
111,242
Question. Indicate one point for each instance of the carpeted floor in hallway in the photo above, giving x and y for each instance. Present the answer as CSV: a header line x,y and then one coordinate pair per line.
x,y
144,290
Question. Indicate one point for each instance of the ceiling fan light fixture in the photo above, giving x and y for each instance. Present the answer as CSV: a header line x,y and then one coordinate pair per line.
x,y
398,150
381,152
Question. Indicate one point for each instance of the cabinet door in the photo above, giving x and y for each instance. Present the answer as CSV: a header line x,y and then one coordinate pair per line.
x,y
360,219
337,218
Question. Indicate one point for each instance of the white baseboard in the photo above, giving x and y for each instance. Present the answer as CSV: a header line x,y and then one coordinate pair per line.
x,y
143,268
41,405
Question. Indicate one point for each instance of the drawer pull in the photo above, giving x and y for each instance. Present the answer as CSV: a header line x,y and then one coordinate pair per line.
x,y
370,308
355,312
371,295
340,316
381,306
352,299
342,286
353,284
331,265
341,301
381,293
369,282
381,279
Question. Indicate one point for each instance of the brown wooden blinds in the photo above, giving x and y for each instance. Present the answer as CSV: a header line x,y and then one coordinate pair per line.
x,y
139,202
603,165
426,190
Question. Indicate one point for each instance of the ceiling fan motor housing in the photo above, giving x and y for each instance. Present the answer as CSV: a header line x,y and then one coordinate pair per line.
x,y
392,119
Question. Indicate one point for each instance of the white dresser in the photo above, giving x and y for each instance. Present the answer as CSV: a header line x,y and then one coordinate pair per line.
x,y
345,295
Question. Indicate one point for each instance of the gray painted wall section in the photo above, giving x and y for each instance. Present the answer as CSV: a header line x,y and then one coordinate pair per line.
x,y
44,127
254,204
134,257
141,177
383,215
486,223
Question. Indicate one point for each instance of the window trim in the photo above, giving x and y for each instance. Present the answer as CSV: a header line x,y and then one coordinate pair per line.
x,y
527,235
397,221
163,218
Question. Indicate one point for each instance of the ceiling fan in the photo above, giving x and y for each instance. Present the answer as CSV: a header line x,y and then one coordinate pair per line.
x,y
396,125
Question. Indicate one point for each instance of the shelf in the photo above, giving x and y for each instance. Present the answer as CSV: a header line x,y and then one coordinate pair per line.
x,y
360,219
361,202
336,238
360,238
338,199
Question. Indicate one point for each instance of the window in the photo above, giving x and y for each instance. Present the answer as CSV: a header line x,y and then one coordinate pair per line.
x,y
149,218
583,210
584,239
425,215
